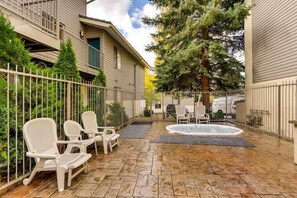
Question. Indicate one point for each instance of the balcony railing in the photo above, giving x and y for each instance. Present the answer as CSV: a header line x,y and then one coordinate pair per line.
x,y
41,13
86,55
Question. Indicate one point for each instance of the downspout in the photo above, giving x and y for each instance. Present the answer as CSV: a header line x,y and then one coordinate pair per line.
x,y
134,106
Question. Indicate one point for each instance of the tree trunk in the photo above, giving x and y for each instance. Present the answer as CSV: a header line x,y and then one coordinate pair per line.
x,y
204,78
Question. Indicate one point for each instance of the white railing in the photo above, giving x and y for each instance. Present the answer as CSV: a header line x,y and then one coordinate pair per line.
x,y
42,13
274,105
25,95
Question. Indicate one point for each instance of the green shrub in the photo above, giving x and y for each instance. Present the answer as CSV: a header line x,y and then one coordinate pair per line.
x,y
147,112
116,115
100,79
66,63
219,115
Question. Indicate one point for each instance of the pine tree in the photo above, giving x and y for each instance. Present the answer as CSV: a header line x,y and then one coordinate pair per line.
x,y
12,49
66,63
100,79
195,45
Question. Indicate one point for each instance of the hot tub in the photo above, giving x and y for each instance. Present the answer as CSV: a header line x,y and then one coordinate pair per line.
x,y
204,129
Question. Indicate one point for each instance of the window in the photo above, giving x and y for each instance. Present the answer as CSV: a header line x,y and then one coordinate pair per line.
x,y
158,105
62,30
94,52
117,59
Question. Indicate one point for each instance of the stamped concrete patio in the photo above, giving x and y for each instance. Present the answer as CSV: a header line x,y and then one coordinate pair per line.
x,y
141,169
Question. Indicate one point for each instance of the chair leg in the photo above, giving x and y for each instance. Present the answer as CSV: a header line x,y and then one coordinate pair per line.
x,y
110,146
60,175
38,166
86,167
105,146
96,150
28,180
60,178
69,177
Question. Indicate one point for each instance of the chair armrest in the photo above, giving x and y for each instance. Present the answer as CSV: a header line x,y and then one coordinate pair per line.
x,y
69,142
40,155
110,127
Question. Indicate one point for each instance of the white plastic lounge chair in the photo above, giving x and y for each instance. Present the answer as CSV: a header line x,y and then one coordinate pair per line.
x,y
181,115
200,115
73,131
107,135
40,135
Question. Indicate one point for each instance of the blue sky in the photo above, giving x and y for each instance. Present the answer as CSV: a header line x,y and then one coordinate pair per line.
x,y
126,15
136,5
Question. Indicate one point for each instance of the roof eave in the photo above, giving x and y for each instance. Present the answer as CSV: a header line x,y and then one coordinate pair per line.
x,y
114,32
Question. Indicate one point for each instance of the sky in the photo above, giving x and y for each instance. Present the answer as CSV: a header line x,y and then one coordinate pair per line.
x,y
126,16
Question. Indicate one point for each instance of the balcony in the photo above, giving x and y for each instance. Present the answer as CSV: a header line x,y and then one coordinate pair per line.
x,y
36,21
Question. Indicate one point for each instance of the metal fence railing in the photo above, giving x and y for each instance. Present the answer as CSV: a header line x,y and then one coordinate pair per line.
x,y
270,107
266,108
25,95
219,105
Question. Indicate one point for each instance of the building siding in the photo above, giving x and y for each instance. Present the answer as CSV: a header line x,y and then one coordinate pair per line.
x,y
274,41
118,78
69,11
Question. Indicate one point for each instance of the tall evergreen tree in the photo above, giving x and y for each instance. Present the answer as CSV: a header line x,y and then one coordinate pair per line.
x,y
100,79
195,44
99,100
12,49
66,63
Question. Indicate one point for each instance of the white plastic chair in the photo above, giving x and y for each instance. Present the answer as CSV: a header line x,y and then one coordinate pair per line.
x,y
107,135
40,135
201,115
181,115
73,131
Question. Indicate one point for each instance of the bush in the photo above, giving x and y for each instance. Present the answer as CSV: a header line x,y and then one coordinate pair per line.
x,y
219,115
116,114
66,63
147,112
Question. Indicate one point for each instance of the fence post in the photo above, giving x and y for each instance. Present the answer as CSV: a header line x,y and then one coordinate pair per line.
x,y
226,107
104,105
122,117
162,106
151,107
279,111
68,101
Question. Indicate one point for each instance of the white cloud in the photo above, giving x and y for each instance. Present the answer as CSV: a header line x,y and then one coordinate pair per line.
x,y
117,12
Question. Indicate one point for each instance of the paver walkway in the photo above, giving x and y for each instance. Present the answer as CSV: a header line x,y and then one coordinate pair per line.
x,y
142,169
